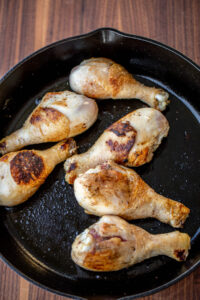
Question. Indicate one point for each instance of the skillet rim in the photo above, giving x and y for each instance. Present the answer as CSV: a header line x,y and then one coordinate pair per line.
x,y
60,42
137,37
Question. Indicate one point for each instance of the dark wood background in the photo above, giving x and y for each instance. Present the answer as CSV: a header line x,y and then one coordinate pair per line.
x,y
27,25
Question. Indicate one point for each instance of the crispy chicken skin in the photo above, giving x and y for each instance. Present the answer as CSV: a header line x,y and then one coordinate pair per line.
x,y
58,116
112,244
22,172
102,78
110,189
130,141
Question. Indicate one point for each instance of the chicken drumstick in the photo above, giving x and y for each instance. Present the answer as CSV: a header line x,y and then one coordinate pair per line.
x,y
22,172
102,78
58,116
110,189
130,141
112,244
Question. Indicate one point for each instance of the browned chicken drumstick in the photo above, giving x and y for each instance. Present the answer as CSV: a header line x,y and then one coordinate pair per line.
x,y
130,141
58,116
112,244
23,172
102,78
110,189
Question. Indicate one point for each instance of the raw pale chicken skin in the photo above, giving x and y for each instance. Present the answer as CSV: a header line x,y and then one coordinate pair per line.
x,y
23,172
130,141
110,189
102,78
58,116
112,244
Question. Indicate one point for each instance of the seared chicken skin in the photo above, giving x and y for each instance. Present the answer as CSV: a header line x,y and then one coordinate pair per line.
x,y
112,244
103,78
22,173
130,141
58,116
110,189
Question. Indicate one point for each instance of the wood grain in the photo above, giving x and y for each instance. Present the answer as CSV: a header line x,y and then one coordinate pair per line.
x,y
27,25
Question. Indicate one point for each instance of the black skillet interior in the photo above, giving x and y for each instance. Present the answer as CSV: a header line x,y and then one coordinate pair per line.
x,y
36,237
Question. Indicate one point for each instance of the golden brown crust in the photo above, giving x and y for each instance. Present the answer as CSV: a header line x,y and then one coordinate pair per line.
x,y
71,168
50,95
121,149
107,86
118,77
91,88
80,127
47,117
179,212
106,184
26,166
42,114
138,158
103,260
68,146
105,253
4,158
120,128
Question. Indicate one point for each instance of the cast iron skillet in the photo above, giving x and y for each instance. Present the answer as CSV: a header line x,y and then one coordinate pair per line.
x,y
36,237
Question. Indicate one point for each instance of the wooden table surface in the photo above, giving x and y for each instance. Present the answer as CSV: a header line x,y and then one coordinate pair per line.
x,y
27,25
